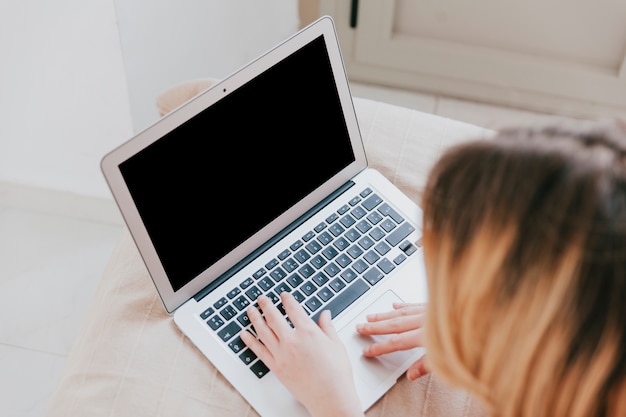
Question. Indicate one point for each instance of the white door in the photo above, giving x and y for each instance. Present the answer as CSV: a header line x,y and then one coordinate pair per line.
x,y
559,56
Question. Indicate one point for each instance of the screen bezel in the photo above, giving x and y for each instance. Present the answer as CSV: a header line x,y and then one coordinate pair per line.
x,y
110,164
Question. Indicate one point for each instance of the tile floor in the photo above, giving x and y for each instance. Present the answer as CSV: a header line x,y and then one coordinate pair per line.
x,y
51,262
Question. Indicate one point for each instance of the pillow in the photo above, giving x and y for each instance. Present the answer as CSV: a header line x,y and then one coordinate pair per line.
x,y
130,359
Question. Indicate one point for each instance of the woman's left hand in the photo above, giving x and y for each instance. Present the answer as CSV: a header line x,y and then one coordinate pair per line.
x,y
310,360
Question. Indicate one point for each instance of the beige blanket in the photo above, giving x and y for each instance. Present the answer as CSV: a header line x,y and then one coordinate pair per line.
x,y
131,360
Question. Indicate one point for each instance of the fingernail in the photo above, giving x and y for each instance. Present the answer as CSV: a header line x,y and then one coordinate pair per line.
x,y
412,374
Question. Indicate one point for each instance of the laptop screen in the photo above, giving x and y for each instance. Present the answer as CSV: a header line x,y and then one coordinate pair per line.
x,y
211,183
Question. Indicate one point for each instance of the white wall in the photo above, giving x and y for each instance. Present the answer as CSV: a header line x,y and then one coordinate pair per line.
x,y
78,77
63,96
167,42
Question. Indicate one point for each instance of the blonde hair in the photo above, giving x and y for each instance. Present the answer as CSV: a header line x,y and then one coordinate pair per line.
x,y
525,249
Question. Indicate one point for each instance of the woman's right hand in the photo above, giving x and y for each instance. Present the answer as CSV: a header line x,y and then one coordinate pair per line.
x,y
404,323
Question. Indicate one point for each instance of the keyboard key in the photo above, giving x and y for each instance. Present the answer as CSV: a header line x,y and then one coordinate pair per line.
x,y
314,246
348,275
296,245
385,265
371,257
302,256
352,235
244,319
229,331
206,313
344,299
325,238
308,288
330,252
374,217
258,274
366,192
373,275
259,369
399,259
360,266
382,248
273,297
282,287
399,234
320,279
358,212
313,304
355,201
337,284
308,236
343,260
340,243
354,251
233,293
241,303
320,227
343,209
253,293
271,264
366,242
298,296
347,220
278,274
318,261
246,283
237,345
332,269
247,356
294,280
332,218
220,303
290,265
266,283
228,312
363,226
377,234
336,229
371,202
284,254
386,210
215,322
325,294
306,271
388,225
407,247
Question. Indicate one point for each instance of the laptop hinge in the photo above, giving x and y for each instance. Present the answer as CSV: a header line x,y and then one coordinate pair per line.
x,y
271,242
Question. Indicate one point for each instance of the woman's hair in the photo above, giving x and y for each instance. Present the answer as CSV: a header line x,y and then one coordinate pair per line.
x,y
525,250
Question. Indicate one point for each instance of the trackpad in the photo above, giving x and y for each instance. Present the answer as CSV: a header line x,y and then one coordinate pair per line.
x,y
383,370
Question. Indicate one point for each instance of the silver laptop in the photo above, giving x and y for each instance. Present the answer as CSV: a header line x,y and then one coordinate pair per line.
x,y
261,185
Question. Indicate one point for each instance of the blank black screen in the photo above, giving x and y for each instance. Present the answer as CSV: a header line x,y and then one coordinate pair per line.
x,y
211,183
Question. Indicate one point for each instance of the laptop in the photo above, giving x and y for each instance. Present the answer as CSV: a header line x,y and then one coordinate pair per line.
x,y
261,185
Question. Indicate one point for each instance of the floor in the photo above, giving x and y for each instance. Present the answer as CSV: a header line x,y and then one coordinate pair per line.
x,y
51,261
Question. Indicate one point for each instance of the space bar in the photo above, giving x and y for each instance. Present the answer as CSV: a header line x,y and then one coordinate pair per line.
x,y
344,299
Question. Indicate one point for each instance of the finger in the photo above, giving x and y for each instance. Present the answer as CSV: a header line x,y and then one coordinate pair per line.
x,y
393,325
403,341
418,369
403,305
295,311
257,347
273,317
265,333
397,312
326,324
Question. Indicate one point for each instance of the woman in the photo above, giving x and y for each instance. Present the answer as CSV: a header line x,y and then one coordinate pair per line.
x,y
525,252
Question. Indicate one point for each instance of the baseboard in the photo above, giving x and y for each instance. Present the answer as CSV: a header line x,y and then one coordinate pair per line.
x,y
61,203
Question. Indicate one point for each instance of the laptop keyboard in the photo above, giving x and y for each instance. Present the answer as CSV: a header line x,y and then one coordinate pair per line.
x,y
329,267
